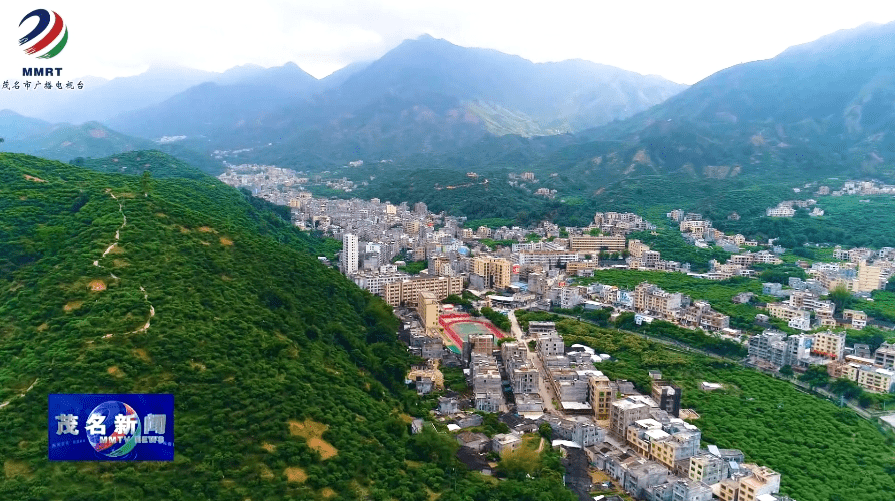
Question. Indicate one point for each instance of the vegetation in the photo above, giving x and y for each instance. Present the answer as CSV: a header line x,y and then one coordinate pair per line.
x,y
754,413
135,163
498,319
257,341
454,379
718,293
414,267
695,338
843,214
673,247
494,243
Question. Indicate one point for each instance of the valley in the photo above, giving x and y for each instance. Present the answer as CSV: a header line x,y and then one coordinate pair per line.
x,y
413,267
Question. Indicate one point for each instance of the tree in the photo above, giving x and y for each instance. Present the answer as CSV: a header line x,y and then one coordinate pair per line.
x,y
430,445
146,183
545,430
786,370
841,297
890,286
846,387
816,375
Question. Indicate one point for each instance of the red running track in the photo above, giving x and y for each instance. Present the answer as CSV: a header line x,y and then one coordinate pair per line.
x,y
447,320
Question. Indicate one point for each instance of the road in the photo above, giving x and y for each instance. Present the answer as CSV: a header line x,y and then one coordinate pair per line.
x,y
544,389
677,346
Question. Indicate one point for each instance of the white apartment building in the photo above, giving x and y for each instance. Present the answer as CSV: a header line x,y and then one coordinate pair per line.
x,y
350,256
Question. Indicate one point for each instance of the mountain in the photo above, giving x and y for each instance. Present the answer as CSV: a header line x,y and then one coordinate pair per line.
x,y
102,99
63,141
288,379
220,109
819,108
425,96
67,142
563,96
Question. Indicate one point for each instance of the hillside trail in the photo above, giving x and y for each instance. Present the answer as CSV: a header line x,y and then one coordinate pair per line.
x,y
114,244
4,404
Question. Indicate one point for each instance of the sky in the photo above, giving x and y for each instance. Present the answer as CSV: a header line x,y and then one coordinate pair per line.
x,y
682,40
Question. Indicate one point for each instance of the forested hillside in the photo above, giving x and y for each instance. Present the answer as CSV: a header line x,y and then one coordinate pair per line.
x,y
287,378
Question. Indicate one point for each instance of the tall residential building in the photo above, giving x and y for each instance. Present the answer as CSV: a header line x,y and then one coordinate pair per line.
x,y
429,308
762,480
869,278
623,413
668,396
495,271
653,300
829,344
350,256
885,355
589,244
602,394
406,292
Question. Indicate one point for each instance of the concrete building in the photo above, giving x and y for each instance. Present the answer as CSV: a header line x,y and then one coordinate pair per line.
x,y
536,327
668,396
548,258
625,412
487,386
505,442
350,254
374,282
406,292
594,245
550,344
884,356
761,481
829,344
495,271
708,468
700,314
870,278
479,344
429,309
776,349
781,211
857,318
602,394
650,299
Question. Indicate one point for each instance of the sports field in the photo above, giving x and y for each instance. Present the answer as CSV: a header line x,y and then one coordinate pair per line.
x,y
459,326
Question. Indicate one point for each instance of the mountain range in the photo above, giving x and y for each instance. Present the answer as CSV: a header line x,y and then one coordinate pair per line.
x,y
819,108
424,96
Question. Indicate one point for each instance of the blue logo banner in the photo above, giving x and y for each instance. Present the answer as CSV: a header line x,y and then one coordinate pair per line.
x,y
123,427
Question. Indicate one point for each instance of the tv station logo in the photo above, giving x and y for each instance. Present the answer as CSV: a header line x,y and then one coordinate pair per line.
x,y
44,36
122,427
44,41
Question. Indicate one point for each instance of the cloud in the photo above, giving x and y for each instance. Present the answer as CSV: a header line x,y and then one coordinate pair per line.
x,y
684,41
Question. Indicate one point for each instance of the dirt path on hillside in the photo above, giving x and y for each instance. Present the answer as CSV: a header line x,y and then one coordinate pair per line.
x,y
145,327
4,404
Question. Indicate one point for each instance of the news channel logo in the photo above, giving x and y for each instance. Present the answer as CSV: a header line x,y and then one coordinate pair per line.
x,y
47,39
119,427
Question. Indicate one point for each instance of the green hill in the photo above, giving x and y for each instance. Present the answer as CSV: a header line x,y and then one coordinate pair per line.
x,y
287,378
158,164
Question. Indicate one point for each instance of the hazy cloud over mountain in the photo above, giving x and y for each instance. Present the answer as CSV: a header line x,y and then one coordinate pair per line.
x,y
681,41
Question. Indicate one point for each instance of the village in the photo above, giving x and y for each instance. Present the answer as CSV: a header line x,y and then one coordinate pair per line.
x,y
439,276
